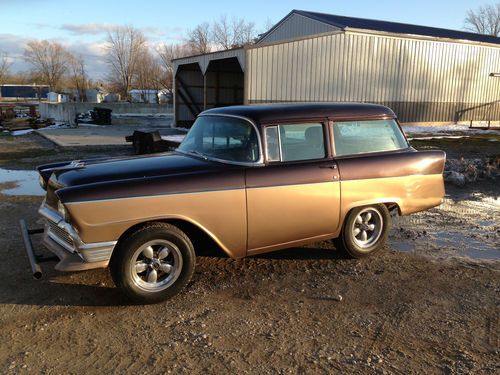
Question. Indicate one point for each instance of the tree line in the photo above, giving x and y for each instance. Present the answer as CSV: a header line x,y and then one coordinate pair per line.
x,y
131,60
133,63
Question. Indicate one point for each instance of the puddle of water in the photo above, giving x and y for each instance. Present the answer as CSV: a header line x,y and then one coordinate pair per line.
x,y
26,182
404,247
464,244
465,228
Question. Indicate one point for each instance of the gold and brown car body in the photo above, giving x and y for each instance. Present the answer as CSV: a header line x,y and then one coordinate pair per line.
x,y
246,208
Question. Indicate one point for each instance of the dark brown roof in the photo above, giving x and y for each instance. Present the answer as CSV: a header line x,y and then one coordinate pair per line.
x,y
344,22
262,113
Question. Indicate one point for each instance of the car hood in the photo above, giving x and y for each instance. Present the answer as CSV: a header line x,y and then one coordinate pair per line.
x,y
86,172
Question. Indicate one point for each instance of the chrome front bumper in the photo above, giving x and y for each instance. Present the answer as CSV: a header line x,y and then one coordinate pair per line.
x,y
63,240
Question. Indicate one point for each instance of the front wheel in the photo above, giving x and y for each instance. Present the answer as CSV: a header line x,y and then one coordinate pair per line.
x,y
154,263
364,231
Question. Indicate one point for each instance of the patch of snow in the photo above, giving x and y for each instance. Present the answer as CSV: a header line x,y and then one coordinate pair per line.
x,y
22,132
173,138
438,137
446,129
184,130
142,114
59,125
85,125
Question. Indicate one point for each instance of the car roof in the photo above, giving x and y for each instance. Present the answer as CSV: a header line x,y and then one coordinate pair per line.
x,y
266,113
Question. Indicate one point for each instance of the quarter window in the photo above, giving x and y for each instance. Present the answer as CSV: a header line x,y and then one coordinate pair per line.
x,y
294,142
358,137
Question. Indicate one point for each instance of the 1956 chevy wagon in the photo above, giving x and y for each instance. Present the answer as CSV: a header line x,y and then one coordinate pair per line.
x,y
252,179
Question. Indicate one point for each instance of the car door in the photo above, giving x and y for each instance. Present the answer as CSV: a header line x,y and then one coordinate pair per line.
x,y
296,196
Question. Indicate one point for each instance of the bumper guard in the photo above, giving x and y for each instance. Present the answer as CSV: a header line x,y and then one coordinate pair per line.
x,y
28,246
62,240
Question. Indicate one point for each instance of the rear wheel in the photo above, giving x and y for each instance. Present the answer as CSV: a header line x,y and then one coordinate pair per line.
x,y
364,231
154,263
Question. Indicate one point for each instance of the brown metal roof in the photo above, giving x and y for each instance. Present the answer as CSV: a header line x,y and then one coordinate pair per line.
x,y
262,113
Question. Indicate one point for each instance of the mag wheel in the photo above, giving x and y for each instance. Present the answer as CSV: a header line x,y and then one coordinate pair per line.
x,y
154,263
364,231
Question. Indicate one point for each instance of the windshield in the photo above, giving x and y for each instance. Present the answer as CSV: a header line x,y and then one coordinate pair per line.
x,y
224,138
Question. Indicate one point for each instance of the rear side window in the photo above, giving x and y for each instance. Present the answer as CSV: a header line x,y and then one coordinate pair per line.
x,y
294,142
358,137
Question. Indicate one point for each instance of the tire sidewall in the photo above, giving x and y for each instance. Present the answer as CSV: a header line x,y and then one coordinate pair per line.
x,y
120,265
347,237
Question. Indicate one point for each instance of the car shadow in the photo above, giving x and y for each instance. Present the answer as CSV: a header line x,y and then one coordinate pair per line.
x,y
322,250
303,253
52,291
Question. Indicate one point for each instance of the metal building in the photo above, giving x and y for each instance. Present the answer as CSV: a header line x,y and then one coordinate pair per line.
x,y
11,91
427,75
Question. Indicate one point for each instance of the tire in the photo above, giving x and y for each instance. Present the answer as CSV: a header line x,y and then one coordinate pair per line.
x,y
374,221
153,263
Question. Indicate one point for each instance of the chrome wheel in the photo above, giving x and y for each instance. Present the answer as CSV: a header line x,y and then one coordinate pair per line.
x,y
367,227
156,265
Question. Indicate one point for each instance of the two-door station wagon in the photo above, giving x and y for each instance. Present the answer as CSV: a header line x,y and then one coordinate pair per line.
x,y
251,179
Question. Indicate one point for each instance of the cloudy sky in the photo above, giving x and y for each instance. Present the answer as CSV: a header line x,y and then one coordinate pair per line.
x,y
81,25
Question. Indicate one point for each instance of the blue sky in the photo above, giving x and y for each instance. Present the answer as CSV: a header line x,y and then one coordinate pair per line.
x,y
80,25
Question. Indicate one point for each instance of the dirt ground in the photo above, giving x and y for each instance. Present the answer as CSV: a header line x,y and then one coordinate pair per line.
x,y
429,303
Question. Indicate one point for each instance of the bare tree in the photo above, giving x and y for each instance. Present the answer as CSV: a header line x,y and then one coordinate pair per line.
x,y
236,33
244,32
4,66
167,53
78,76
49,61
20,77
199,38
149,76
222,33
484,20
125,45
268,24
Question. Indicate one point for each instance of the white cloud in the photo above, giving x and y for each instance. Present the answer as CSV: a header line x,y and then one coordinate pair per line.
x,y
92,52
94,55
13,45
87,28
85,39
102,28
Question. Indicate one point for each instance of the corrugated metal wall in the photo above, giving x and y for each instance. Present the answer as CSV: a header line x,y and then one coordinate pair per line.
x,y
24,91
422,80
295,26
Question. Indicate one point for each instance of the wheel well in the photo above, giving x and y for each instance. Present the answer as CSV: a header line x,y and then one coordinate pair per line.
x,y
203,244
393,208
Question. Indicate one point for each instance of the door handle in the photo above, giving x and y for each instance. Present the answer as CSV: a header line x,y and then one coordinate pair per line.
x,y
329,166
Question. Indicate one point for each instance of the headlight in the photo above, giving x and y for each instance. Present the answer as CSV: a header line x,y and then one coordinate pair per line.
x,y
62,210
42,182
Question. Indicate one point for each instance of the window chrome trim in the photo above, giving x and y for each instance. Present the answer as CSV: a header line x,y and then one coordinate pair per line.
x,y
278,127
258,162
